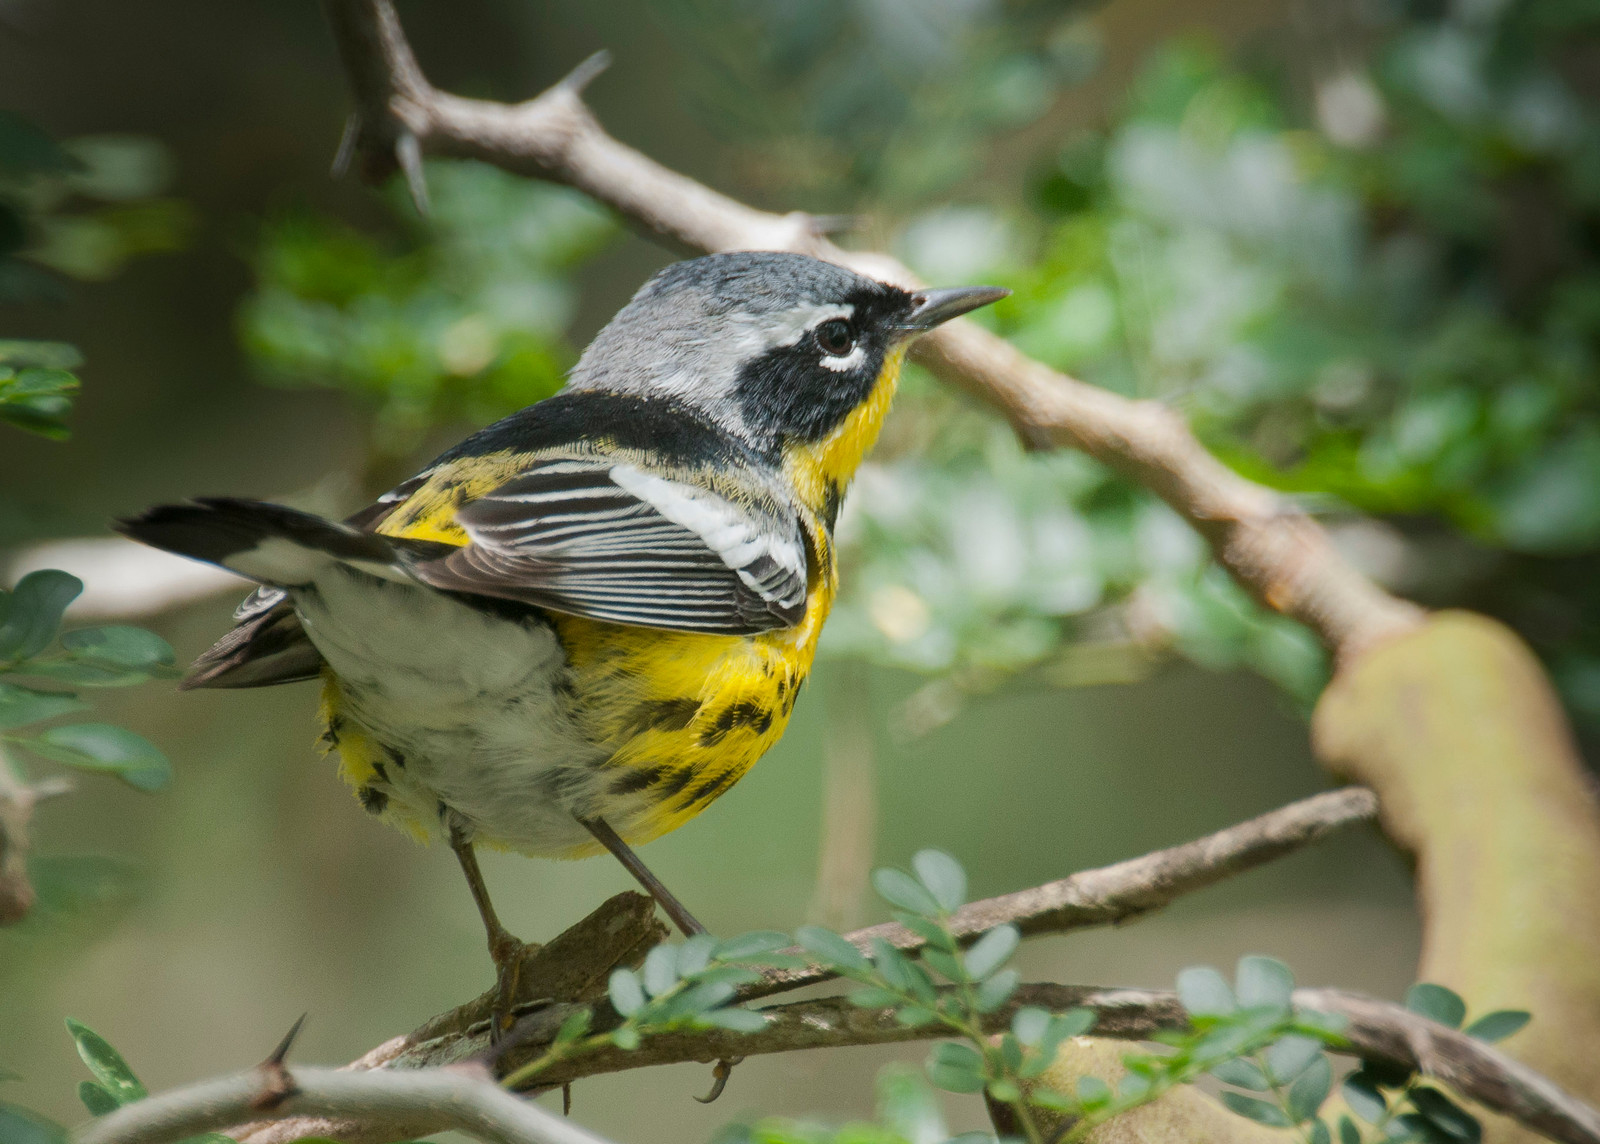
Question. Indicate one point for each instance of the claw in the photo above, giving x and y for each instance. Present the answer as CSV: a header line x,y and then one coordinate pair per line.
x,y
719,1078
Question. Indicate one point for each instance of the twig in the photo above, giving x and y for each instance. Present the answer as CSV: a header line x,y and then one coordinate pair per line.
x,y
1283,557
396,1105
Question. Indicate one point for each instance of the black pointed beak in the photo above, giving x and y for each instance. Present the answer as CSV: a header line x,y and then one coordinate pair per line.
x,y
930,308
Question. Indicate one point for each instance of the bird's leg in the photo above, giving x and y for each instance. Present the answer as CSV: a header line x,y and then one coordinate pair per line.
x,y
503,947
681,917
675,909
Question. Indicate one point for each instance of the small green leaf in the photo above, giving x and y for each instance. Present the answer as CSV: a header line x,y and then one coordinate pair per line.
x,y
1263,981
1309,1090
1055,1101
660,972
1011,1052
1320,1133
106,1064
992,950
955,1067
96,1099
119,645
103,747
928,930
915,1016
829,947
891,963
1364,1098
694,955
751,944
21,705
38,400
1242,1073
84,674
626,1038
1499,1025
1292,1055
1437,1003
1258,1110
575,1026
1029,1024
943,877
627,995
1093,1092
874,997
900,889
23,1126
996,990
1348,1132
734,1020
1005,1091
30,614
43,355
1204,992
1133,1086
1074,1022
947,965
1444,1114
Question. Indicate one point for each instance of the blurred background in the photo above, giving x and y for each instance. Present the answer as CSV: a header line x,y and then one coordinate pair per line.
x,y
1355,242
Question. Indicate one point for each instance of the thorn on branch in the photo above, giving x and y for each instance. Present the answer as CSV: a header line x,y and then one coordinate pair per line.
x,y
348,139
278,1055
719,1079
408,154
276,1083
566,1099
586,73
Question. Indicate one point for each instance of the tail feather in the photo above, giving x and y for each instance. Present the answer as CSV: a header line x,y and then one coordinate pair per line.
x,y
266,542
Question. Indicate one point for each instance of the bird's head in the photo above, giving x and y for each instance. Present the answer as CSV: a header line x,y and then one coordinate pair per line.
x,y
778,349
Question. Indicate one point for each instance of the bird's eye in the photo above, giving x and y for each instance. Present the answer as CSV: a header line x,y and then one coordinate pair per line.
x,y
836,337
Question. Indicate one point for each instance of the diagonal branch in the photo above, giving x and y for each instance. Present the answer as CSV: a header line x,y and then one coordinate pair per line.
x,y
1125,890
1278,553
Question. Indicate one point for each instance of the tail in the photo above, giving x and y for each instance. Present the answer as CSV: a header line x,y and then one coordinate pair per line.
x,y
268,543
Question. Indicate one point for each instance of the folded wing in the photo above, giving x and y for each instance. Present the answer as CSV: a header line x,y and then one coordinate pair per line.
x,y
619,543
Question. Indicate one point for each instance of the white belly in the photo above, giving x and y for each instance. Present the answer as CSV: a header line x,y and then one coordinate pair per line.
x,y
471,709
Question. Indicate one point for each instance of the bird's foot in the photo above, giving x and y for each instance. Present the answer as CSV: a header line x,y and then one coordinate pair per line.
x,y
508,953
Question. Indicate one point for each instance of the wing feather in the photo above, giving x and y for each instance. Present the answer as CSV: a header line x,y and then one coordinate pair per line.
x,y
613,542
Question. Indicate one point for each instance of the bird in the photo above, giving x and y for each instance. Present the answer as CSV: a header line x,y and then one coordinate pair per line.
x,y
576,629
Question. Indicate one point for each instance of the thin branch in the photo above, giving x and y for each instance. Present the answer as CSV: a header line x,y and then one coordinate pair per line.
x,y
1277,552
1125,890
397,1105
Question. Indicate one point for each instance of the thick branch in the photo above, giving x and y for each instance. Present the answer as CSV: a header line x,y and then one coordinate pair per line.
x,y
1277,552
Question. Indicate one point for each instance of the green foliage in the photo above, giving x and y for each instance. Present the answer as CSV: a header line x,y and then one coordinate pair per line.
x,y
680,986
82,209
32,647
459,315
114,1084
894,103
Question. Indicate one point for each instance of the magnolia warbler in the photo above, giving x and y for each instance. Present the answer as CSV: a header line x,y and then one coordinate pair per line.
x,y
581,625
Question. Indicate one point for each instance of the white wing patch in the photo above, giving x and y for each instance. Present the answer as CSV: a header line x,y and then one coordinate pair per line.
x,y
732,535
